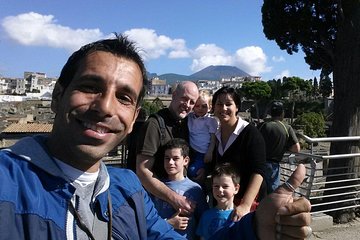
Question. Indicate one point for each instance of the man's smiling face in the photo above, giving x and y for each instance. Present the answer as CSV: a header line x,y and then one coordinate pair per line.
x,y
97,110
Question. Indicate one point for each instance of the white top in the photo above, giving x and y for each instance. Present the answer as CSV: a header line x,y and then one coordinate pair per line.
x,y
241,124
200,130
75,175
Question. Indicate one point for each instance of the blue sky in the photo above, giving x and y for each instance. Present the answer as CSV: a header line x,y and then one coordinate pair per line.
x,y
180,37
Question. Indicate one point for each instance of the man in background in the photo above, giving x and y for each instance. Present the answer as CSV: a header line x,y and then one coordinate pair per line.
x,y
279,137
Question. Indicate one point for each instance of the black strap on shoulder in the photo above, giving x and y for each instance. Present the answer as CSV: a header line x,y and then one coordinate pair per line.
x,y
261,125
161,122
286,130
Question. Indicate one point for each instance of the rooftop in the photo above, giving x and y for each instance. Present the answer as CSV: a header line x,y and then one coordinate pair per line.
x,y
28,128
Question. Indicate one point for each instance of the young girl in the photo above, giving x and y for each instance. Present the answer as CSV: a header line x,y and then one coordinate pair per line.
x,y
202,128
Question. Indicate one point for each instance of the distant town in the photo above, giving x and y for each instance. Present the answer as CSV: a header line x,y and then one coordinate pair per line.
x,y
36,85
25,102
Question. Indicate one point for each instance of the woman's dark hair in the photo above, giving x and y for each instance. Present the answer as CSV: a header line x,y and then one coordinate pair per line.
x,y
227,90
119,46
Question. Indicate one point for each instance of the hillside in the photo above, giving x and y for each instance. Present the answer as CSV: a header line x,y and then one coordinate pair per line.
x,y
218,72
208,73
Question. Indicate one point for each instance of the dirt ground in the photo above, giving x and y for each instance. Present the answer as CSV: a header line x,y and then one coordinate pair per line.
x,y
347,231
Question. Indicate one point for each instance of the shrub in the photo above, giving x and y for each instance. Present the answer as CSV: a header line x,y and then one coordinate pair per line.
x,y
150,107
313,124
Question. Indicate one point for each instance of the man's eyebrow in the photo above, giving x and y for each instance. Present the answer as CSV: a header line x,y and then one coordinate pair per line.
x,y
125,87
91,77
98,78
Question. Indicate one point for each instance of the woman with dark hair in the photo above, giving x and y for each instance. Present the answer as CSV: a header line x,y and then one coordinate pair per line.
x,y
241,144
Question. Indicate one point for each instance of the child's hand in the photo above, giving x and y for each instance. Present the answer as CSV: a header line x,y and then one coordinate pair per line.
x,y
178,222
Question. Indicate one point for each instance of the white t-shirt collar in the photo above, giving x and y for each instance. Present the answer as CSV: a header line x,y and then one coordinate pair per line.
x,y
75,175
240,125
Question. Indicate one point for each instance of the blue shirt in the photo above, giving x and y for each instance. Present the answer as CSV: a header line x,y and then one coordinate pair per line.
x,y
190,190
211,221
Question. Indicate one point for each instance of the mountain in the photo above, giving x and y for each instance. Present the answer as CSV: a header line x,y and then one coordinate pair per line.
x,y
172,77
208,73
218,72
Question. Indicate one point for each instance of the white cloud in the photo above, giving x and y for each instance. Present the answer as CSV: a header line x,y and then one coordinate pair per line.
x,y
155,45
34,29
278,59
209,54
179,54
284,73
180,50
252,60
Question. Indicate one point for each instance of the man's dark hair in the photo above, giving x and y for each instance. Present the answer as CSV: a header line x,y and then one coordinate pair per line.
x,y
119,46
178,143
276,109
226,169
227,90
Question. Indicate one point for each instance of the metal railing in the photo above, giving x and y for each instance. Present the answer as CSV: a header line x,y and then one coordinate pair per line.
x,y
328,189
319,186
118,156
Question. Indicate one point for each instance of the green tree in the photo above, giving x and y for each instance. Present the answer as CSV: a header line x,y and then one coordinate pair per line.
x,y
328,32
289,84
256,91
316,87
276,90
304,86
325,87
301,86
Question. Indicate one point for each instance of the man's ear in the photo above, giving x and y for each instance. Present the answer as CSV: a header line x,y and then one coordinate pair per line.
x,y
136,114
56,97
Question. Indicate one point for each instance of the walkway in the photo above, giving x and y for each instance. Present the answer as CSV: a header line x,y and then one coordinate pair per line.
x,y
347,231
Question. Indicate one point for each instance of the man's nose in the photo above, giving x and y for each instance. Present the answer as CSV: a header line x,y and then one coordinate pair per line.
x,y
105,104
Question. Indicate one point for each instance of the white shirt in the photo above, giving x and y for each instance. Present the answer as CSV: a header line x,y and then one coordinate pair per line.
x,y
200,130
241,124
75,175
